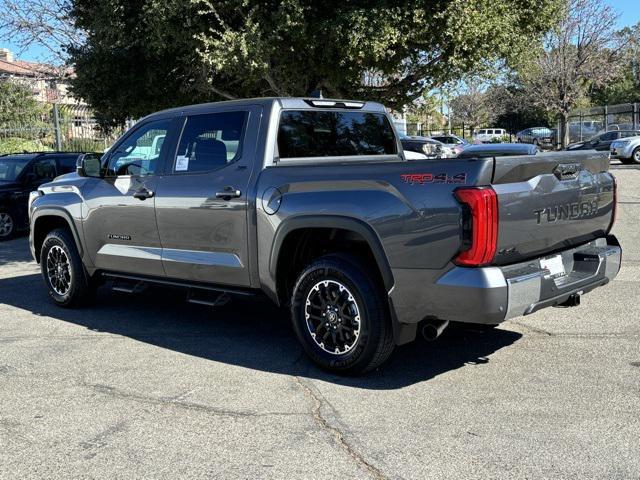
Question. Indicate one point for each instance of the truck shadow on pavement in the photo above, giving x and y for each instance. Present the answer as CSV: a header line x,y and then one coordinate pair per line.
x,y
251,334
15,251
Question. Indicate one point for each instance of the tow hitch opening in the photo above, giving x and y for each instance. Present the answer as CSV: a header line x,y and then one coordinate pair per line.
x,y
572,301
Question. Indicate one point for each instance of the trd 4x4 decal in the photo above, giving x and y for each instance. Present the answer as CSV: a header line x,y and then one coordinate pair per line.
x,y
423,178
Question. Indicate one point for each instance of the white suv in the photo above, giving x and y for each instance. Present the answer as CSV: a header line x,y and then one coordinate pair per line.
x,y
486,135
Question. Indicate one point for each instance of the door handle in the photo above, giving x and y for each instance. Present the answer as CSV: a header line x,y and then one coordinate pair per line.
x,y
228,193
143,194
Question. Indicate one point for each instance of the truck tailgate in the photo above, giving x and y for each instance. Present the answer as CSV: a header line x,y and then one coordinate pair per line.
x,y
551,201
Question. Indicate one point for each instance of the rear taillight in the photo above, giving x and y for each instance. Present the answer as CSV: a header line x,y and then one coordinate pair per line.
x,y
479,225
614,208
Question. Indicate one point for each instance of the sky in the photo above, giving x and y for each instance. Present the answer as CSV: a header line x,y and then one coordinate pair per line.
x,y
629,11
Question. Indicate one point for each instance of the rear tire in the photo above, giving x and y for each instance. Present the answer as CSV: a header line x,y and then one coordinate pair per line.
x,y
63,272
7,225
340,315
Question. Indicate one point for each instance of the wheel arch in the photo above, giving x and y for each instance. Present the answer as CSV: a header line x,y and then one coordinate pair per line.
x,y
49,219
297,224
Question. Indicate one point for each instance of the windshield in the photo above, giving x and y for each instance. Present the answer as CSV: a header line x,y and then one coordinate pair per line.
x,y
10,168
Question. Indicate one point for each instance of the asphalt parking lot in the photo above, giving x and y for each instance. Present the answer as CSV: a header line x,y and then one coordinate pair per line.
x,y
149,386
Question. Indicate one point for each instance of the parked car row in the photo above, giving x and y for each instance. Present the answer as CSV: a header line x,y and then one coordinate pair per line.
x,y
602,141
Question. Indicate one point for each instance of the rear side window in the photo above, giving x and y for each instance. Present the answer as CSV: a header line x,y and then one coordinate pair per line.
x,y
45,169
305,134
625,134
210,141
67,164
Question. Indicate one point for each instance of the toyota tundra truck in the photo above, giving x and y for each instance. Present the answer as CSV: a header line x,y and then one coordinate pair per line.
x,y
313,203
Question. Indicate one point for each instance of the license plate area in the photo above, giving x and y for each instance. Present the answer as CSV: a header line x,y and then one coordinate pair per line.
x,y
554,265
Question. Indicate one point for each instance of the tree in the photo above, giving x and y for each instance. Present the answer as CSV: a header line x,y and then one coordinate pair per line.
x,y
625,87
21,119
44,23
579,53
513,108
471,108
18,107
426,111
142,56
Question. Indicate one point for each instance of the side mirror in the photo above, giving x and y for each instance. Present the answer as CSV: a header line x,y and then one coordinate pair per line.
x,y
89,165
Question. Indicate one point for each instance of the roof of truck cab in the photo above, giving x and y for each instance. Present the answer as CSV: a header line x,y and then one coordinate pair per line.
x,y
285,103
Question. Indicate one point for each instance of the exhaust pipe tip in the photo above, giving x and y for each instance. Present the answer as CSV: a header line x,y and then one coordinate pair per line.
x,y
432,329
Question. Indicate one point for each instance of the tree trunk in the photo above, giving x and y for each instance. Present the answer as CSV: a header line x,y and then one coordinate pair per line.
x,y
564,129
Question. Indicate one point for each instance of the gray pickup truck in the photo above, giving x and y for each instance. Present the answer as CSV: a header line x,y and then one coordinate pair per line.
x,y
313,203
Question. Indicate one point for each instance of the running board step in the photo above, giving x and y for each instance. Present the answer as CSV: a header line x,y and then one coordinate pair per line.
x,y
128,286
204,297
202,293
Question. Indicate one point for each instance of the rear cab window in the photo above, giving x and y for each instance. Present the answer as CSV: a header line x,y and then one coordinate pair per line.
x,y
304,134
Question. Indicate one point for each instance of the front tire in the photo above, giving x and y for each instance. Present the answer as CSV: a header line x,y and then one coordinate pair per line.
x,y
7,225
635,156
63,272
340,316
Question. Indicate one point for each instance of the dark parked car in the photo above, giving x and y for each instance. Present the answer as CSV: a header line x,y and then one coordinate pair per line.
x,y
498,150
539,136
20,174
427,146
602,141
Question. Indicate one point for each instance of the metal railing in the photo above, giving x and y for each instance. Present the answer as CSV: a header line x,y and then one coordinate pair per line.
x,y
60,127
587,122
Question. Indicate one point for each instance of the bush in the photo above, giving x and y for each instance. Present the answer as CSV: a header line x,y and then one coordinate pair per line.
x,y
84,145
19,145
502,139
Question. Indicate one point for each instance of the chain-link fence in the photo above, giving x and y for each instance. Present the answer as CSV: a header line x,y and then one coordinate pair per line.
x,y
587,122
58,127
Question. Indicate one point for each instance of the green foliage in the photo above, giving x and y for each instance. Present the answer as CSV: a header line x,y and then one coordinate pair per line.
x,y
143,56
19,110
84,145
426,111
18,145
501,139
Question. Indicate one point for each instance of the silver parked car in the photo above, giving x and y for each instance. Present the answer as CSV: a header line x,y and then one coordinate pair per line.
x,y
539,136
627,150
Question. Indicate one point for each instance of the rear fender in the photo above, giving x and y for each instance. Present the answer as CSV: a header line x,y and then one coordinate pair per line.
x,y
403,333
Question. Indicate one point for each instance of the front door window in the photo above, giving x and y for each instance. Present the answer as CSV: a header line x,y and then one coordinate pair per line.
x,y
139,154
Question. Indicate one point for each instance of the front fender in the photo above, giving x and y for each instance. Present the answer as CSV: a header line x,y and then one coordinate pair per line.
x,y
39,214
